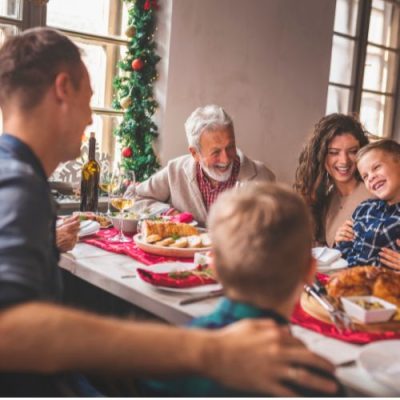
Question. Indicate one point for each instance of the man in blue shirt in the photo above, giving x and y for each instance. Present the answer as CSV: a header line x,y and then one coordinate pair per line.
x,y
45,96
376,222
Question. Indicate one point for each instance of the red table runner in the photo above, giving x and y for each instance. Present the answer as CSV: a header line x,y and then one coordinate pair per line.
x,y
129,249
299,317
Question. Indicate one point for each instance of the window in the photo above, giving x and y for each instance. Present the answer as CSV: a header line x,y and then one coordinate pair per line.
x,y
365,62
97,27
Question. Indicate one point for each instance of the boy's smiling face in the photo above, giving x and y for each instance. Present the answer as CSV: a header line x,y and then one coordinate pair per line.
x,y
380,172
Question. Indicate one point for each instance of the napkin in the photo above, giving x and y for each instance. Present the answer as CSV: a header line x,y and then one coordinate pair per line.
x,y
185,217
325,255
178,279
88,228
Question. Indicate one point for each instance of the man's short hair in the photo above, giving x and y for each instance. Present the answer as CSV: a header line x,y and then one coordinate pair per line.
x,y
208,118
29,63
262,238
388,146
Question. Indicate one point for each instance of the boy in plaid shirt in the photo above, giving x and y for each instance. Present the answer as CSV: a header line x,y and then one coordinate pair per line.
x,y
372,237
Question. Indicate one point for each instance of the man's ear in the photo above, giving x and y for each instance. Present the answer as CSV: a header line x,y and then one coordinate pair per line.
x,y
212,264
310,275
195,154
62,86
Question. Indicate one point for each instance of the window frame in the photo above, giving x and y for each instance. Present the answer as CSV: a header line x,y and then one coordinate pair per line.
x,y
361,43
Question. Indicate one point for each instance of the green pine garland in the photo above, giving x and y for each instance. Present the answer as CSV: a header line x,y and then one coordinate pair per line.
x,y
137,132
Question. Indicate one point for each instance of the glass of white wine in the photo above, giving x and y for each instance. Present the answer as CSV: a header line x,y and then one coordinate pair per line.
x,y
106,186
121,199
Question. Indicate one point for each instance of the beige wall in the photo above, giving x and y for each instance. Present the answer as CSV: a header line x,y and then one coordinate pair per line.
x,y
265,61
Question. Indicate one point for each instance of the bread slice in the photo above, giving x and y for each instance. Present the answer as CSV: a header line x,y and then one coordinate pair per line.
x,y
181,243
167,228
194,241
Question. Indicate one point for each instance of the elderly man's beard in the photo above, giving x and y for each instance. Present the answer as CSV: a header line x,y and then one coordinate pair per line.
x,y
214,173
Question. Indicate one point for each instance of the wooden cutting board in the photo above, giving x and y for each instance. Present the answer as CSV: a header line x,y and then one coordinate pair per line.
x,y
312,307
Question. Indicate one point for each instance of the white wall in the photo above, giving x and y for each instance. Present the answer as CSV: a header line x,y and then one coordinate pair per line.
x,y
265,61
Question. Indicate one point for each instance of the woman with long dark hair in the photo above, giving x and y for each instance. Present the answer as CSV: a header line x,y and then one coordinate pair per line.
x,y
327,175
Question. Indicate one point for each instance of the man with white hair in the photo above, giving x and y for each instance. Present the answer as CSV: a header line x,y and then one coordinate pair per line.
x,y
193,182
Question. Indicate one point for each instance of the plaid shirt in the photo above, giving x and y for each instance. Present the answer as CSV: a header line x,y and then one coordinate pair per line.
x,y
376,225
208,191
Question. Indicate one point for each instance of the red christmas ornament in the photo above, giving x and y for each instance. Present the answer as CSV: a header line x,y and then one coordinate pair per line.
x,y
150,4
127,152
137,64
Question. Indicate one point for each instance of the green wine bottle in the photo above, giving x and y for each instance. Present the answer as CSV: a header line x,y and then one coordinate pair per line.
x,y
90,179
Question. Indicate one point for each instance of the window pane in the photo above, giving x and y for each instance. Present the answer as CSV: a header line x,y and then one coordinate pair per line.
x,y
338,100
6,31
342,60
380,66
79,15
376,113
11,8
384,24
106,149
103,126
100,60
346,16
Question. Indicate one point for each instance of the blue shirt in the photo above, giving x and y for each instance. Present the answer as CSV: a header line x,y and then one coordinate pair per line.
x,y
226,313
29,257
28,251
376,225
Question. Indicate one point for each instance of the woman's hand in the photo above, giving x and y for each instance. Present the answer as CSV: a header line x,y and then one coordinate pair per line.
x,y
67,234
390,258
345,233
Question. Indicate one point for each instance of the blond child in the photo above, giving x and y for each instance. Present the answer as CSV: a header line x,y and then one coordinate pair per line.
x,y
261,235
372,237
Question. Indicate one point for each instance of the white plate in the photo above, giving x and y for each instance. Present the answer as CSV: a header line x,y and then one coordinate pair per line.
x,y
168,251
338,264
382,361
88,228
178,266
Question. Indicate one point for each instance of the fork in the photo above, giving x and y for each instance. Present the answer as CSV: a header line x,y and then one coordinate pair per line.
x,y
340,319
201,297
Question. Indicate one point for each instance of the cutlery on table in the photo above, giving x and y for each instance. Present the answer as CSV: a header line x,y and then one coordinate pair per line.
x,y
201,297
339,318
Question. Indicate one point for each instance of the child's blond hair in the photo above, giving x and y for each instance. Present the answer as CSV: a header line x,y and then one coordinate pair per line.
x,y
388,146
262,240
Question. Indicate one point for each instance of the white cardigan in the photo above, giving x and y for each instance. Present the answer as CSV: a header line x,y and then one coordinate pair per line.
x,y
176,185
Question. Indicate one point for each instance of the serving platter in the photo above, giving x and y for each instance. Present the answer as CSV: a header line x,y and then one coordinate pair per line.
x,y
313,308
187,252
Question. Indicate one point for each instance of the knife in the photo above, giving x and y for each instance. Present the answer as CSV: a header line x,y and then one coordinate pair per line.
x,y
201,297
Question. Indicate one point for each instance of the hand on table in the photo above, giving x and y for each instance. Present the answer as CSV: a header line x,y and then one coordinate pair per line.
x,y
345,233
258,355
67,233
390,258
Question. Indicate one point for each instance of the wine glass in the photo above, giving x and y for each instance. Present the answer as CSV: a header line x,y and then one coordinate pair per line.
x,y
106,186
122,199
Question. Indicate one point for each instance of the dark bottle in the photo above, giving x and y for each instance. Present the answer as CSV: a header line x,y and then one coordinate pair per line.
x,y
90,179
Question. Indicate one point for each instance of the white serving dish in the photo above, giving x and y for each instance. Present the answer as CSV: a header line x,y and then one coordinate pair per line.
x,y
368,316
129,225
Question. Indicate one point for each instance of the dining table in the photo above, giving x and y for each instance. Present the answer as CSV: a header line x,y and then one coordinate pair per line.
x,y
116,274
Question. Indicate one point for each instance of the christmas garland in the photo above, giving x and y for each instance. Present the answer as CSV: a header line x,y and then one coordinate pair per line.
x,y
134,86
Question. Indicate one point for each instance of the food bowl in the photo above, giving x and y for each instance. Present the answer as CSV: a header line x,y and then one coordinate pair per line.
x,y
368,309
129,226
